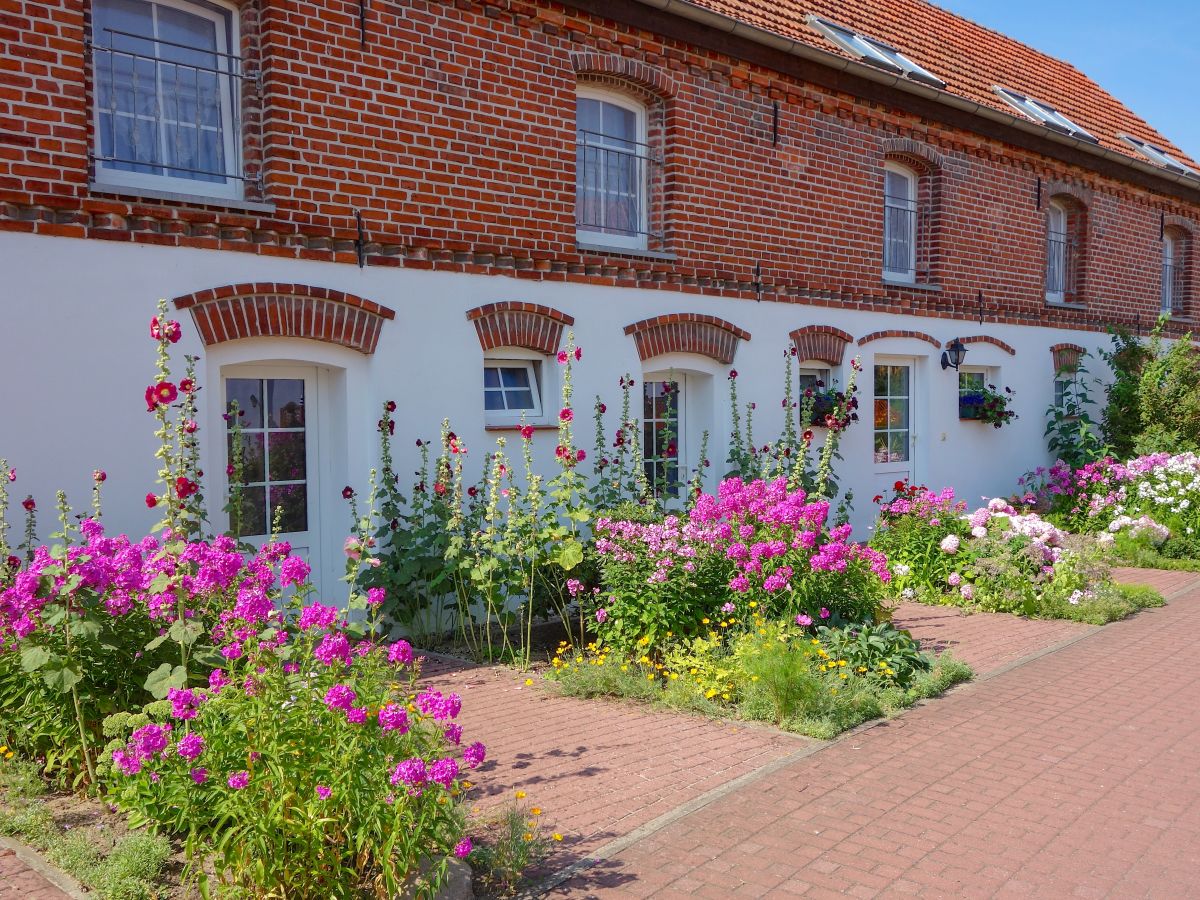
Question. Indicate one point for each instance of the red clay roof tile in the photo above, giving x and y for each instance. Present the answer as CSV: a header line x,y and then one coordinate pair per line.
x,y
970,58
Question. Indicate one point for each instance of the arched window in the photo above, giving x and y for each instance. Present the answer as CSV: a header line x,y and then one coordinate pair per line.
x,y
1065,226
899,223
167,92
1172,275
612,169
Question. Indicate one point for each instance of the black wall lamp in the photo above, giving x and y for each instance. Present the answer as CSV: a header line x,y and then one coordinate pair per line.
x,y
954,354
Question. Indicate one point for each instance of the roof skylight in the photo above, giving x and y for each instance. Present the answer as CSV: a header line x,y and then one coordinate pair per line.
x,y
874,52
1043,114
1159,156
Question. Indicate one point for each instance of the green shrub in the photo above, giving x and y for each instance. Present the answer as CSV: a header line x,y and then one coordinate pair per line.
x,y
876,649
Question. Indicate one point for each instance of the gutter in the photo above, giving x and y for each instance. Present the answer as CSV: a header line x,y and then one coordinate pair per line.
x,y
718,22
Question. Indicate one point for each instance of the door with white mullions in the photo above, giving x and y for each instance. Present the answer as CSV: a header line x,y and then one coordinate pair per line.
x,y
894,438
279,453
662,432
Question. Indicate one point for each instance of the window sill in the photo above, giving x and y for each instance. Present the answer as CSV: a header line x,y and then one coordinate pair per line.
x,y
912,285
518,427
607,250
125,190
1066,304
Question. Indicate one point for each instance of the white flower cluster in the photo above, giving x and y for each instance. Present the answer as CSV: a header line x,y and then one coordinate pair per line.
x,y
1142,524
1173,486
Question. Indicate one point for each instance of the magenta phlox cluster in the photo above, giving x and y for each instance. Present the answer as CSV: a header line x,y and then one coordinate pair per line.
x,y
439,707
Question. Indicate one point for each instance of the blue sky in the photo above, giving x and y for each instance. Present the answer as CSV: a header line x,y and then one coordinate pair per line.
x,y
1145,53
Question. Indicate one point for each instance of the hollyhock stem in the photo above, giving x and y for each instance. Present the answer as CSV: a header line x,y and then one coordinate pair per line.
x,y
5,550
64,518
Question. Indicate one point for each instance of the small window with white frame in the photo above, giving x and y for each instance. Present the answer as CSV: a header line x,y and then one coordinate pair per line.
x,y
1172,282
899,223
874,52
1043,113
511,391
612,169
167,91
971,381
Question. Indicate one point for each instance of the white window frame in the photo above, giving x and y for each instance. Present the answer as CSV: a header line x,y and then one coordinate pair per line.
x,y
533,415
310,430
1063,385
1055,210
1159,156
873,51
681,466
973,370
1042,113
909,274
225,17
603,238
1170,247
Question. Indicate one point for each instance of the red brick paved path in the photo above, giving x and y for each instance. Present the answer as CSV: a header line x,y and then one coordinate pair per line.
x,y
1076,774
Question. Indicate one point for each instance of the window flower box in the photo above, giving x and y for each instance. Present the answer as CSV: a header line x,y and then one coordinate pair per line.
x,y
986,405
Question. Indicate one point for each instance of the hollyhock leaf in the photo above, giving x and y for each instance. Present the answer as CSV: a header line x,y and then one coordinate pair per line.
x,y
86,628
569,554
156,643
33,658
61,675
162,679
186,632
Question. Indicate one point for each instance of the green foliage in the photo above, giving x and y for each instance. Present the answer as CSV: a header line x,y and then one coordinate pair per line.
x,y
1071,434
1122,413
516,842
1107,603
1168,396
880,648
770,671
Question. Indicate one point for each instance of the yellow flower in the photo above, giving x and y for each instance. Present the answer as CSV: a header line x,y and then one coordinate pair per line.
x,y
704,621
841,662
844,675
528,837
528,682
754,604
650,677
710,693
557,836
536,811
466,785
754,678
624,668
520,795
674,676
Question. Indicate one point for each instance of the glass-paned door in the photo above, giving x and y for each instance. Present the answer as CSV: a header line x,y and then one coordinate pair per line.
x,y
661,434
893,422
278,444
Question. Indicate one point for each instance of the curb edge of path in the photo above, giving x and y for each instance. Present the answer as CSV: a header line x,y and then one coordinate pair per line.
x,y
614,847
34,861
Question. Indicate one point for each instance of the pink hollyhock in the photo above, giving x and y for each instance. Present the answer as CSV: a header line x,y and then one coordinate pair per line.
x,y
565,414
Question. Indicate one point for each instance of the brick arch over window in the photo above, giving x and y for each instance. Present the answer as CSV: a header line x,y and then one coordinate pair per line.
x,y
1067,357
988,339
268,309
514,324
822,342
922,157
894,333
612,66
687,333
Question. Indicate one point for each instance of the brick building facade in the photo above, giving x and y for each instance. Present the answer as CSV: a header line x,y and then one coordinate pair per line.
x,y
390,187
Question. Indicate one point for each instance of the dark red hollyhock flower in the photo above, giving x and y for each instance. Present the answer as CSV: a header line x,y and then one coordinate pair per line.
x,y
185,487
151,402
581,455
603,408
229,470
171,329
391,406
14,562
29,504
671,449
807,437
578,354
187,385
439,488
898,486
732,374
347,492
472,491
151,500
99,475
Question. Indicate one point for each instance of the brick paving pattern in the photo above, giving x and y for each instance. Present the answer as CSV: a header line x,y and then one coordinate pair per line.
x,y
1040,781
1074,775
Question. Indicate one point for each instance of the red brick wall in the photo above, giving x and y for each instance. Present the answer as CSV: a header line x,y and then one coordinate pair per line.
x,y
453,133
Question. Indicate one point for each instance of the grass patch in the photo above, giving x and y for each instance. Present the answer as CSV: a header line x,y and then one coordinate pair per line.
x,y
1142,557
132,869
1111,603
785,693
